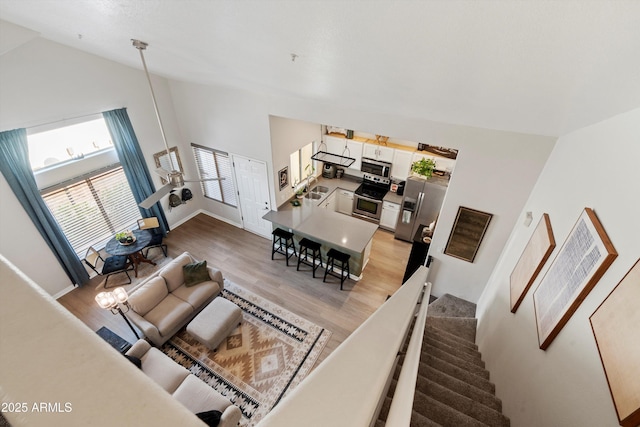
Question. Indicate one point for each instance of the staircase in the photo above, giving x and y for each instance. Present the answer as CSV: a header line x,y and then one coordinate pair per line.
x,y
453,388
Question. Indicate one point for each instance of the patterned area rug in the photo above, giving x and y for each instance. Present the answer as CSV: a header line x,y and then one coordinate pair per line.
x,y
261,360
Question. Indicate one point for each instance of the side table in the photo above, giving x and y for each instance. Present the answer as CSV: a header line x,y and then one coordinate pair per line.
x,y
115,340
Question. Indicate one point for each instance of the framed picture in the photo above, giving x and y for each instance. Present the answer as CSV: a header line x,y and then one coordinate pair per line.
x,y
467,233
582,260
162,161
283,177
534,256
615,328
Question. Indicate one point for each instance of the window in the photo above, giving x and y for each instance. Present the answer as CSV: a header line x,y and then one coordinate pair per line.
x,y
215,164
81,181
48,147
92,208
301,164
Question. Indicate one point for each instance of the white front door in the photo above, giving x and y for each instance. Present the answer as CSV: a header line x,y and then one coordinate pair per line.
x,y
253,189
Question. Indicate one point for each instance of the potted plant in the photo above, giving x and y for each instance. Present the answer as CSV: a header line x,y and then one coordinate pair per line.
x,y
423,167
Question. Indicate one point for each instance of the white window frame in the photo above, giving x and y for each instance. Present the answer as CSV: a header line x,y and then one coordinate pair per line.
x,y
212,163
93,222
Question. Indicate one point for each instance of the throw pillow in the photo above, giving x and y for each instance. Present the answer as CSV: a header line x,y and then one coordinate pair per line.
x,y
195,272
210,418
134,360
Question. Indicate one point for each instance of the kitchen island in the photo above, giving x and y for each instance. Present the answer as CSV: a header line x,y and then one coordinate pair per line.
x,y
331,229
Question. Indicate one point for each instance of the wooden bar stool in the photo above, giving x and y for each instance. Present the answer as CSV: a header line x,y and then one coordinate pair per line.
x,y
282,241
335,255
307,245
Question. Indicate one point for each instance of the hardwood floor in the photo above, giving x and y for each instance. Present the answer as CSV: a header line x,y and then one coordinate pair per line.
x,y
244,258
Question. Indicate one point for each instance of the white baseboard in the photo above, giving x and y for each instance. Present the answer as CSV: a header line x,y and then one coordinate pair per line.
x,y
64,291
212,215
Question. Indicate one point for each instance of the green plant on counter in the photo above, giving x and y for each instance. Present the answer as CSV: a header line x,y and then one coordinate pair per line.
x,y
423,167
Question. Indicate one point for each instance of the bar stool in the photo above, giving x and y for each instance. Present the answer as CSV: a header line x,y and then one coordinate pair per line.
x,y
282,241
335,255
307,245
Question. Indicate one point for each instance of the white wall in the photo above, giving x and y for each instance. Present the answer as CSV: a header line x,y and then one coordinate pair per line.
x,y
43,82
565,385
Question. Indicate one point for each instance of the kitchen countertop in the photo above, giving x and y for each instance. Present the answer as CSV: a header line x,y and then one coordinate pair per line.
x,y
337,229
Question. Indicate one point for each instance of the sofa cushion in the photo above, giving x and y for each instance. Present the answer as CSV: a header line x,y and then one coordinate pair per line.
x,y
197,295
195,272
163,370
149,295
168,314
197,396
173,274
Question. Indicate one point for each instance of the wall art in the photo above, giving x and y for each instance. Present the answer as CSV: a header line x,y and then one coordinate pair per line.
x,y
616,327
533,257
467,233
283,177
582,260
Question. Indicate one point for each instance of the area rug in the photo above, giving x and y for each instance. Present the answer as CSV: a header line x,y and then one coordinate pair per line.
x,y
262,360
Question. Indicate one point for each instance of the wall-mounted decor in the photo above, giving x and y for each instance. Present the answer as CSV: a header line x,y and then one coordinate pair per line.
x,y
283,177
582,260
616,327
535,254
467,233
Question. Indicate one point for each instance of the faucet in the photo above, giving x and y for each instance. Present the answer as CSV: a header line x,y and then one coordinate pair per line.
x,y
310,179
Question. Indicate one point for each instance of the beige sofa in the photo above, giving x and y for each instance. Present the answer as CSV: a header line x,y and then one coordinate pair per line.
x,y
182,385
162,304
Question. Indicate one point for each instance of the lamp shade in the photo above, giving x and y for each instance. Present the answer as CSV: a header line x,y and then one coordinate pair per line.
x,y
106,300
120,294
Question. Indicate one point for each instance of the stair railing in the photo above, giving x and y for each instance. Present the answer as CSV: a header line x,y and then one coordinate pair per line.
x,y
402,402
345,389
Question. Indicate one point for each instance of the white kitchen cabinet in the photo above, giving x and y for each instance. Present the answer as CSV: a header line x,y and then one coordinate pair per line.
x,y
330,202
344,201
389,216
378,152
401,164
336,145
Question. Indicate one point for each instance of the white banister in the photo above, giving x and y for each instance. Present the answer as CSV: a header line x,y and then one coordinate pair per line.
x,y
402,403
344,390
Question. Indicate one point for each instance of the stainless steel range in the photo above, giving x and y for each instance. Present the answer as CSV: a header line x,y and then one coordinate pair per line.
x,y
367,200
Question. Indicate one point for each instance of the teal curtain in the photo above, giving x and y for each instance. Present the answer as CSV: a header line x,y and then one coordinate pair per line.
x,y
15,166
133,164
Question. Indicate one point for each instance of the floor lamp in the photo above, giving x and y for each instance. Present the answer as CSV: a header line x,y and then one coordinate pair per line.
x,y
113,300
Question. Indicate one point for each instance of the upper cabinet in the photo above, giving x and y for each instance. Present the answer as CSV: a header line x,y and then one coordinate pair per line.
x,y
378,152
345,147
401,164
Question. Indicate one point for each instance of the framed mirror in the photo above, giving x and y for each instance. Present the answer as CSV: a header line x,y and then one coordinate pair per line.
x,y
162,160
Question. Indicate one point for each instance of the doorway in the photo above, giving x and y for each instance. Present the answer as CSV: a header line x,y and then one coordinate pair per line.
x,y
253,194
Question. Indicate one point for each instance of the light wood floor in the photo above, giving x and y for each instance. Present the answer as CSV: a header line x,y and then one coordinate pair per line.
x,y
245,259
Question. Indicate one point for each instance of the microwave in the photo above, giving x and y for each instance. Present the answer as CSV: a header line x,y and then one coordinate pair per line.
x,y
376,167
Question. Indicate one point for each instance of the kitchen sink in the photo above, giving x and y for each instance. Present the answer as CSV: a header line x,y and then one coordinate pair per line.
x,y
313,196
320,189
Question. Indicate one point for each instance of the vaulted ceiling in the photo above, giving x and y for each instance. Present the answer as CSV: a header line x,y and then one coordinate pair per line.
x,y
533,66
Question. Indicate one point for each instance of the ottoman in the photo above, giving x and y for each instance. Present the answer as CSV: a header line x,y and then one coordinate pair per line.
x,y
215,322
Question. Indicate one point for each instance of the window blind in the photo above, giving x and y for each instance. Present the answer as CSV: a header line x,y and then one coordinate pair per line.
x,y
215,164
91,209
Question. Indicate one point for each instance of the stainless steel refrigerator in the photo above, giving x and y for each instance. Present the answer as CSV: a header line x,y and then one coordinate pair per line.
x,y
420,205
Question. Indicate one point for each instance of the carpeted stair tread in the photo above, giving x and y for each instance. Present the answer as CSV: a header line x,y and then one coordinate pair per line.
x,y
379,423
455,360
473,357
384,411
461,326
461,403
455,372
450,340
463,388
442,414
419,420
451,306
